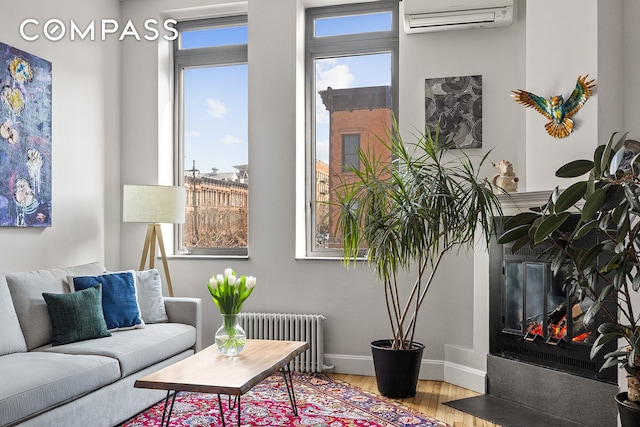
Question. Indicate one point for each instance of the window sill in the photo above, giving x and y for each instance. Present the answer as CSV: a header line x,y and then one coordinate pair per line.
x,y
204,256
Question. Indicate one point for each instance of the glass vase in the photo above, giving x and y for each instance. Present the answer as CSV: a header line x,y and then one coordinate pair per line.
x,y
230,337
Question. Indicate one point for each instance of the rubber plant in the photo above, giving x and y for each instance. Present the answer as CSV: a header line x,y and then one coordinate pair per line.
x,y
406,211
607,201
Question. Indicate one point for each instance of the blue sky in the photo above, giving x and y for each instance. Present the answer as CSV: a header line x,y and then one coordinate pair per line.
x,y
216,98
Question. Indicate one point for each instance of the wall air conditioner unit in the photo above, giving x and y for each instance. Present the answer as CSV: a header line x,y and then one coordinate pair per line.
x,y
421,16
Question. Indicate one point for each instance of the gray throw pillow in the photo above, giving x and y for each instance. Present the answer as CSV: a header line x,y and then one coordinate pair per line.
x,y
76,316
11,338
150,297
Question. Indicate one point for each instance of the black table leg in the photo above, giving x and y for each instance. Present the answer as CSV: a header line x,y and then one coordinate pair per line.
x,y
166,405
236,401
288,380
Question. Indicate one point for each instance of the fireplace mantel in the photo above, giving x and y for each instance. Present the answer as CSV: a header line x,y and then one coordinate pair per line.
x,y
515,203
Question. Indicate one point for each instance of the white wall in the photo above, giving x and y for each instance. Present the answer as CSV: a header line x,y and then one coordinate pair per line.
x,y
85,127
497,54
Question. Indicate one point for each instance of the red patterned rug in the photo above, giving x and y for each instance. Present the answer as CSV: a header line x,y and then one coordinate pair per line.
x,y
322,402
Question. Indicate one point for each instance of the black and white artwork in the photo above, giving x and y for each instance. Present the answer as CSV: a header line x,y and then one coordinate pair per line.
x,y
455,104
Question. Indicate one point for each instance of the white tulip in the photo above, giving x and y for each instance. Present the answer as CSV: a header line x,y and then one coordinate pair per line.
x,y
231,279
220,279
228,272
251,282
213,281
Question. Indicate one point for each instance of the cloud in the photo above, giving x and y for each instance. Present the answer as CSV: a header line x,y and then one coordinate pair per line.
x,y
216,108
330,75
192,134
230,139
322,115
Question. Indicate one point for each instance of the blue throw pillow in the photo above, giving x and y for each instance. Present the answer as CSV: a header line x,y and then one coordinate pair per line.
x,y
119,302
76,316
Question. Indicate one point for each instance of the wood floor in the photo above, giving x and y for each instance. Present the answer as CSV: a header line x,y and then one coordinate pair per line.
x,y
428,400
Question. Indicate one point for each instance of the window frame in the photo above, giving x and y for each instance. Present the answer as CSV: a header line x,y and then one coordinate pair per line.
x,y
350,159
336,46
226,55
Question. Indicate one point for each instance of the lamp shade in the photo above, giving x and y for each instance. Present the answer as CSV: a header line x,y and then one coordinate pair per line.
x,y
153,204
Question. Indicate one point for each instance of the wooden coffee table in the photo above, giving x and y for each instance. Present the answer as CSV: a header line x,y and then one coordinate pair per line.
x,y
208,371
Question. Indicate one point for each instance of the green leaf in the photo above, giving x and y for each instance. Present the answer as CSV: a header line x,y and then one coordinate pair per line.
x,y
558,261
597,160
589,256
591,185
520,243
555,194
514,234
574,169
605,293
610,328
585,229
613,264
616,354
591,313
549,225
619,211
593,204
604,161
619,279
609,362
570,196
623,228
520,219
615,161
615,196
620,143
635,283
601,341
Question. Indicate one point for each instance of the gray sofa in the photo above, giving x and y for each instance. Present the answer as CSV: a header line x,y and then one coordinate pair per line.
x,y
88,382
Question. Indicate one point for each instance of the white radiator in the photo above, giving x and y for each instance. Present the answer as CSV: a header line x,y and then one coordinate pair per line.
x,y
291,327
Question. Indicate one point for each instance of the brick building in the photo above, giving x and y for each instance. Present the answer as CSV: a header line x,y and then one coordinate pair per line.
x,y
357,118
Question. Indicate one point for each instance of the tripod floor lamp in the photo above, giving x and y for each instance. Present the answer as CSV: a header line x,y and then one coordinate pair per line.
x,y
155,205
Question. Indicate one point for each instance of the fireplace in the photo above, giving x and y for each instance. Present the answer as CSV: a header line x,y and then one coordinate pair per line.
x,y
533,320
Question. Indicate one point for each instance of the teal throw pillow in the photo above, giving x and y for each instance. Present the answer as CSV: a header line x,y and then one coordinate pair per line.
x,y
76,316
119,301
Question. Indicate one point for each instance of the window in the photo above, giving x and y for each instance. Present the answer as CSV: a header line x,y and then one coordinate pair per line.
x,y
350,147
351,63
211,92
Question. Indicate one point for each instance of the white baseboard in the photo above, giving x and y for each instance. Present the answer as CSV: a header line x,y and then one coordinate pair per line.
x,y
363,365
464,376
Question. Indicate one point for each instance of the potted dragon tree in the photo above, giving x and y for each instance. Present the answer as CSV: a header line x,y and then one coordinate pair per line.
x,y
607,205
403,213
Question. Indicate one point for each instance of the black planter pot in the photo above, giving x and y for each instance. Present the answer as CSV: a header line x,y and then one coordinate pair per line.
x,y
396,370
629,415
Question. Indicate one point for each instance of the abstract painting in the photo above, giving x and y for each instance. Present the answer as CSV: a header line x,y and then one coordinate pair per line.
x,y
455,104
25,139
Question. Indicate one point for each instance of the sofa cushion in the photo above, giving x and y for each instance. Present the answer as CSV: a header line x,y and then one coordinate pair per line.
x,y
150,297
26,291
76,316
35,381
137,348
119,300
11,338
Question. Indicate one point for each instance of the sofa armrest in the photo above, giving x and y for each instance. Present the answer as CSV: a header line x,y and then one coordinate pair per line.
x,y
188,311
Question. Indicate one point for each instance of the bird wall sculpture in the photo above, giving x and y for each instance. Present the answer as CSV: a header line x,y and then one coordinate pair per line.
x,y
556,109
